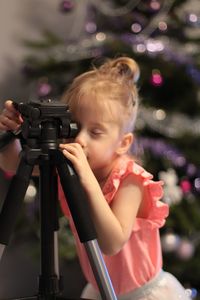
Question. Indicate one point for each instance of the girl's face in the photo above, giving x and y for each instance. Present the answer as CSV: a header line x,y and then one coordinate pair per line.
x,y
100,135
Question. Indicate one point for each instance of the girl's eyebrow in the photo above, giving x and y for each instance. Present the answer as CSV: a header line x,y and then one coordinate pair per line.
x,y
99,124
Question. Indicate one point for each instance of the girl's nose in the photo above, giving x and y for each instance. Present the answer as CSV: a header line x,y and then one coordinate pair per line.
x,y
81,139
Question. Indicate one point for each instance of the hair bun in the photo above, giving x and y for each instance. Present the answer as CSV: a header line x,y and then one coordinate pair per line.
x,y
127,67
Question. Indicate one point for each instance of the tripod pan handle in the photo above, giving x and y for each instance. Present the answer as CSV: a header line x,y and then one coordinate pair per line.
x,y
76,198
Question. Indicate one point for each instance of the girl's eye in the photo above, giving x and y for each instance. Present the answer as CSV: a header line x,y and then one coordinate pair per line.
x,y
96,132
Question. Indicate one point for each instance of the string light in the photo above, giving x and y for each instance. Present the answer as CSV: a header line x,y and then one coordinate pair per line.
x,y
193,18
136,27
141,48
155,5
115,12
173,125
100,36
162,26
159,114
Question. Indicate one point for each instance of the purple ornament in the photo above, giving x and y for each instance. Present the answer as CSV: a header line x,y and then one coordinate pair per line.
x,y
91,27
197,184
186,249
191,169
44,89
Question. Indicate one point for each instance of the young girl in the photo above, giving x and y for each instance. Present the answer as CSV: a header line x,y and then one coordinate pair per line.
x,y
123,199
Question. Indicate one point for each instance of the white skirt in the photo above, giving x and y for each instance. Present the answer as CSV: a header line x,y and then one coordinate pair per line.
x,y
163,286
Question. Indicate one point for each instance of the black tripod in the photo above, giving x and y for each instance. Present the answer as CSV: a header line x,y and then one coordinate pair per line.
x,y
43,125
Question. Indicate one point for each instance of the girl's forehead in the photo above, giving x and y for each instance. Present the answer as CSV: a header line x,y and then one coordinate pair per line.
x,y
101,108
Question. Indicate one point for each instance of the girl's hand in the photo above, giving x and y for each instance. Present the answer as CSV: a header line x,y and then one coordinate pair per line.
x,y
10,118
75,153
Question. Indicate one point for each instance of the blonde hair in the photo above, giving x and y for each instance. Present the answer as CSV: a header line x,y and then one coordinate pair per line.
x,y
114,80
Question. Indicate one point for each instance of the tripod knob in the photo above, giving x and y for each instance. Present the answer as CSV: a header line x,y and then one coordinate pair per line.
x,y
73,130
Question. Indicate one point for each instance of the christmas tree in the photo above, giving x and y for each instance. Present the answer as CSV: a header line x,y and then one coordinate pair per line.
x,y
163,37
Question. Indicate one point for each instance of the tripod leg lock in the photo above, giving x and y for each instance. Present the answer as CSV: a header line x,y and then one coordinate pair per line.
x,y
49,286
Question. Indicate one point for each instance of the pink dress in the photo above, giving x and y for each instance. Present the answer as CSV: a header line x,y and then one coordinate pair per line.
x,y
141,258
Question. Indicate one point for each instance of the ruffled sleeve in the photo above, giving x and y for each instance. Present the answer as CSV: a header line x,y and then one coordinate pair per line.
x,y
155,210
158,211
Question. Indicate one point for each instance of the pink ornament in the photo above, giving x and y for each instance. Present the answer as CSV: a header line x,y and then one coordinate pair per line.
x,y
186,186
66,5
156,78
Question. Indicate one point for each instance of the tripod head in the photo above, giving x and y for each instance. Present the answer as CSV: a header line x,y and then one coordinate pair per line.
x,y
46,123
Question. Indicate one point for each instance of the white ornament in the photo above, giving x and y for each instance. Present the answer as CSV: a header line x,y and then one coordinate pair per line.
x,y
170,242
172,192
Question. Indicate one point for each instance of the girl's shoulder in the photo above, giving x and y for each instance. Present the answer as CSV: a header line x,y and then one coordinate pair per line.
x,y
125,166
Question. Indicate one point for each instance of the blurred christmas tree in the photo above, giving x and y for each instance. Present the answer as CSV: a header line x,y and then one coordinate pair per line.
x,y
163,36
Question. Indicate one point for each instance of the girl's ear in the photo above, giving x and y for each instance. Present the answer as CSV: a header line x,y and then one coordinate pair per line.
x,y
125,143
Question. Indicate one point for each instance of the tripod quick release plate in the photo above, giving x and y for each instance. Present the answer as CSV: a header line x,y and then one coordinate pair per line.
x,y
46,121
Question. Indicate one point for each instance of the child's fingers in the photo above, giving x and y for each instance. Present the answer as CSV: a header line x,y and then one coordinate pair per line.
x,y
9,106
8,124
10,115
10,118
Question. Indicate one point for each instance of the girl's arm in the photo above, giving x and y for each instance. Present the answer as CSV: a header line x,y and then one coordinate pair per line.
x,y
9,157
10,119
113,224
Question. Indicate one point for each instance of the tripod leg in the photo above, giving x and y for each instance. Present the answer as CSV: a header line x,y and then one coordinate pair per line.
x,y
49,278
78,206
13,201
99,270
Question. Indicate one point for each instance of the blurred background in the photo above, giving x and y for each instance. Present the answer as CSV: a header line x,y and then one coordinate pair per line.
x,y
43,46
